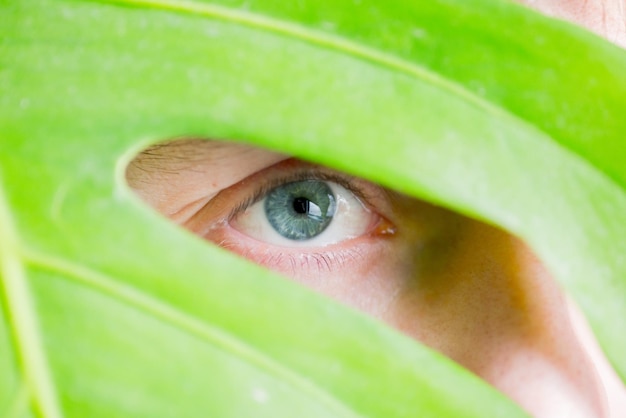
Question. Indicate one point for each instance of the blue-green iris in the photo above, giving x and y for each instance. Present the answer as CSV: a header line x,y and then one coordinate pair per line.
x,y
300,210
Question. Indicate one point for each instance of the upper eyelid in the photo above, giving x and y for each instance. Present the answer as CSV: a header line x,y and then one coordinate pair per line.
x,y
298,174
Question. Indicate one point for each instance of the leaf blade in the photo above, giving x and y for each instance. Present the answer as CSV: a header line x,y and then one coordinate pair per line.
x,y
123,89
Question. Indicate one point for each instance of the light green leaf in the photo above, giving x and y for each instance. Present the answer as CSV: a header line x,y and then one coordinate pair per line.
x,y
107,310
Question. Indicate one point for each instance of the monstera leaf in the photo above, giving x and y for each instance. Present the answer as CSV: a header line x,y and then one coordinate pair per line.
x,y
107,310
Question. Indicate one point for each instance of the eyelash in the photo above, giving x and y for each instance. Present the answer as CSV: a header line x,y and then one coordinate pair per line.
x,y
322,260
309,174
215,221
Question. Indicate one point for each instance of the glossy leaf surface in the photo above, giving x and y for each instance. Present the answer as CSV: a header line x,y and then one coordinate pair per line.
x,y
107,310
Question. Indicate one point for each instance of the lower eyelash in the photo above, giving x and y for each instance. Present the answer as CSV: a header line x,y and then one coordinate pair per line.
x,y
316,262
293,263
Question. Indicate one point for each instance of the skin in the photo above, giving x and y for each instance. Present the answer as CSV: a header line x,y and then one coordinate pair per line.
x,y
473,292
606,18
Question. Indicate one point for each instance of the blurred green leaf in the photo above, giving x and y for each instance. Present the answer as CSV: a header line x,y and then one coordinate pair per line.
x,y
109,311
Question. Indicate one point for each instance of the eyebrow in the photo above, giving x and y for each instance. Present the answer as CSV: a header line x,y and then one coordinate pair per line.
x,y
177,150
185,154
177,155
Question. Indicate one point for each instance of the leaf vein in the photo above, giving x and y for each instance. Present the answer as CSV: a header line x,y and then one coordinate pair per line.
x,y
184,321
317,37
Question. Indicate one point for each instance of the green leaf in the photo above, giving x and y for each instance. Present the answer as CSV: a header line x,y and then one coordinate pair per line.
x,y
107,310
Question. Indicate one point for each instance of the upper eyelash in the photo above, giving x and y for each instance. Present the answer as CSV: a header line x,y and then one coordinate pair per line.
x,y
309,174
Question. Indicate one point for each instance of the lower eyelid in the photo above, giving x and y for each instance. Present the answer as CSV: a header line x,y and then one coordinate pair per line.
x,y
292,261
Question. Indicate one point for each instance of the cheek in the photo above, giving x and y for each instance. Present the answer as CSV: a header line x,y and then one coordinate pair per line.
x,y
488,304
479,288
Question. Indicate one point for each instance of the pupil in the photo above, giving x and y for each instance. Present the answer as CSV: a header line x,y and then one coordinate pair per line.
x,y
301,205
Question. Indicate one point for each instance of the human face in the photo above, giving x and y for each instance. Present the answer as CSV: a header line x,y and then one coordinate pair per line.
x,y
473,292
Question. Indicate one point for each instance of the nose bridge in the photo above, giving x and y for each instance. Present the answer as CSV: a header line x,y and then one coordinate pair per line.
x,y
487,302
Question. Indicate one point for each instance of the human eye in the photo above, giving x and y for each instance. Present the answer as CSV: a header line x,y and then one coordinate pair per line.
x,y
297,215
306,213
